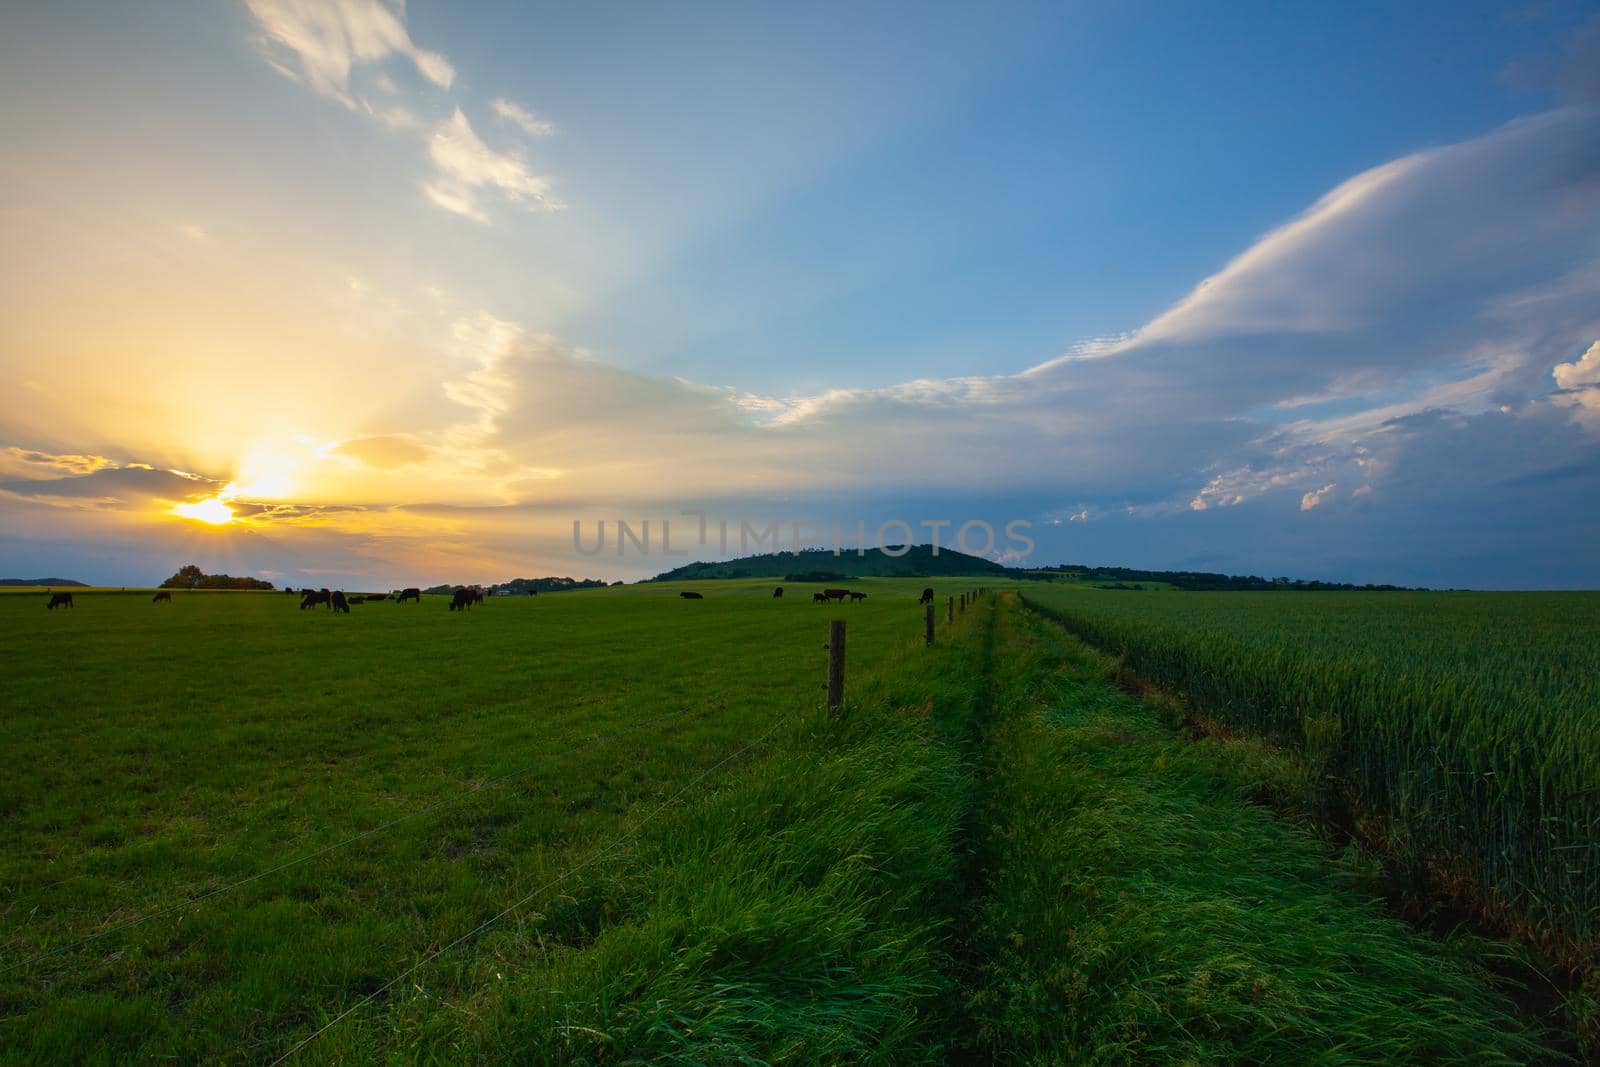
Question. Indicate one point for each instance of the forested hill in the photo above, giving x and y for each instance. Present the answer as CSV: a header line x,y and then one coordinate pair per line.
x,y
41,581
820,564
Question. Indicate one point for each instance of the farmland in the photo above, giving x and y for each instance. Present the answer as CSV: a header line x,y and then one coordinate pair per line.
x,y
614,825
1459,731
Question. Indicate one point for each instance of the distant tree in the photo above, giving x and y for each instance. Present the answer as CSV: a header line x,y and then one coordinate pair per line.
x,y
189,576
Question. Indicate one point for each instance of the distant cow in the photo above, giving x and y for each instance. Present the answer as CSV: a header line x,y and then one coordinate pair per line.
x,y
691,596
408,594
778,592
59,600
377,596
927,596
314,599
163,597
819,598
338,603
357,599
857,596
463,599
836,594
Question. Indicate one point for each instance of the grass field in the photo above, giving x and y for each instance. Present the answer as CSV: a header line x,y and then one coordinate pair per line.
x,y
615,826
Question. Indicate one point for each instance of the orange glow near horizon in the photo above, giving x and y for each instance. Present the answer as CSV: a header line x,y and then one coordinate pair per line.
x,y
213,511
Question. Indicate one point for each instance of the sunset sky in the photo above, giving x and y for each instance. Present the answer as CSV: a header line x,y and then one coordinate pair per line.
x,y
361,294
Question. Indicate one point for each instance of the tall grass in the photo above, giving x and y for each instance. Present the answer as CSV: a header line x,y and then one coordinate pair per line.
x,y
1469,722
1140,908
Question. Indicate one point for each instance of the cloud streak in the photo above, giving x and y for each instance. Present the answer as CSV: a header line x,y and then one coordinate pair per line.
x,y
325,40
521,117
321,43
466,165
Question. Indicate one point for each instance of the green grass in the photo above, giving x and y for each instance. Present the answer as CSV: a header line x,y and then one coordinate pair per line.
x,y
1139,906
1459,733
160,751
993,854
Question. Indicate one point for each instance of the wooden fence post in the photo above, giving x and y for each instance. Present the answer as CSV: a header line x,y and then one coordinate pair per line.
x,y
927,632
950,610
835,666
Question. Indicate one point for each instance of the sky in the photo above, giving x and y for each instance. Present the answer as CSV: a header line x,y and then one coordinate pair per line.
x,y
362,294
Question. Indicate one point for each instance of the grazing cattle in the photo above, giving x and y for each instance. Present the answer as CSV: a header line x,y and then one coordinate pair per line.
x,y
836,594
356,600
819,598
163,597
315,599
927,596
59,600
337,602
777,593
857,596
463,599
289,589
691,596
377,596
408,594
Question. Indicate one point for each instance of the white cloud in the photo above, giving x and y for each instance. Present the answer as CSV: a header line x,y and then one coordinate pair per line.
x,y
1580,372
194,233
326,39
1316,497
519,116
466,164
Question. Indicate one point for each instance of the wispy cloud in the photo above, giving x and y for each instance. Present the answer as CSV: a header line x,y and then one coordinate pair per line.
x,y
467,165
321,41
522,118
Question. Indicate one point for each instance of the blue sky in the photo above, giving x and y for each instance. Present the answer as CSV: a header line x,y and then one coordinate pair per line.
x,y
1229,286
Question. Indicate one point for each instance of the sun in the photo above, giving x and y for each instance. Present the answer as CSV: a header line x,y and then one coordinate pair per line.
x,y
213,511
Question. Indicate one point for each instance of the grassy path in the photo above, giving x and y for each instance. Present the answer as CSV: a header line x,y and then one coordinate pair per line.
x,y
1138,906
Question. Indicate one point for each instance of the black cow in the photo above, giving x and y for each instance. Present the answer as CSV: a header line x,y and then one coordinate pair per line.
x,y
464,599
777,593
857,596
316,599
337,602
356,599
927,596
59,600
819,598
691,596
163,597
408,594
836,594
377,596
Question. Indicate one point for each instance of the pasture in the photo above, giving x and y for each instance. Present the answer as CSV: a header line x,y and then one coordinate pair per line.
x,y
159,752
617,826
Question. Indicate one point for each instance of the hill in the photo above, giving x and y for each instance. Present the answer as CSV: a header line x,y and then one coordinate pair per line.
x,y
822,565
527,586
42,581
